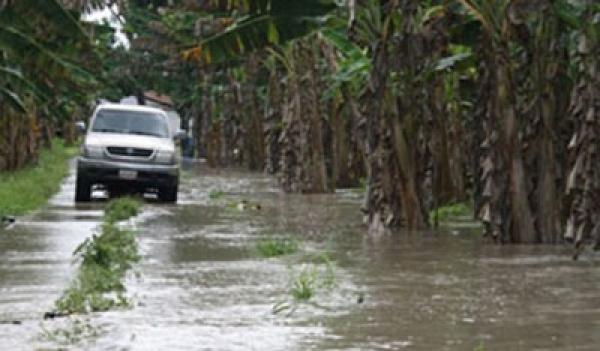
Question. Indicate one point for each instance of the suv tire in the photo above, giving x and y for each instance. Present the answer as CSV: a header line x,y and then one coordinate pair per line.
x,y
83,190
168,193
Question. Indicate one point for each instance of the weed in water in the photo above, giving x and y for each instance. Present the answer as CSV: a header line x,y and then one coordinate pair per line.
x,y
216,194
450,212
304,283
121,209
77,331
105,259
274,247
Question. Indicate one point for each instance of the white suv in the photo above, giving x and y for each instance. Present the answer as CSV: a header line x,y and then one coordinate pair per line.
x,y
128,148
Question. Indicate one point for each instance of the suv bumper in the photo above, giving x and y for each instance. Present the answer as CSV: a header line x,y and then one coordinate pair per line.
x,y
107,172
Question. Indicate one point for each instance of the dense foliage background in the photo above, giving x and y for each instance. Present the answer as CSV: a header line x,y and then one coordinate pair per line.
x,y
424,103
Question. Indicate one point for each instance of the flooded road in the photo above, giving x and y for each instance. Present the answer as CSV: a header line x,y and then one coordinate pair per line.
x,y
201,284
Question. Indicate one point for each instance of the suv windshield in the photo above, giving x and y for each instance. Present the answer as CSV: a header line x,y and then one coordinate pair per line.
x,y
130,122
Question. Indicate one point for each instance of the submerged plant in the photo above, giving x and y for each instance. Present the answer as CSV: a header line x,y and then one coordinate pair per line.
x,y
304,283
121,209
274,247
216,194
77,331
105,259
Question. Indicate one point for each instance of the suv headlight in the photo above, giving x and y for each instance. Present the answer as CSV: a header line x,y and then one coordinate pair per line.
x,y
92,151
165,157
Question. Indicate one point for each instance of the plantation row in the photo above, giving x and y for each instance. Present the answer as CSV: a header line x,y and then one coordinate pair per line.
x,y
426,103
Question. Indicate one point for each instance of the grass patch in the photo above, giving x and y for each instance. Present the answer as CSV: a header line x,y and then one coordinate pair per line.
x,y
274,247
452,211
304,283
122,209
30,188
104,261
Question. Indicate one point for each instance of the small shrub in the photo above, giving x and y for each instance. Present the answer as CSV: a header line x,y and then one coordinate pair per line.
x,y
274,247
121,209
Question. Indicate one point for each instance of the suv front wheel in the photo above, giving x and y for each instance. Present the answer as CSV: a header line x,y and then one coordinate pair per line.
x,y
83,189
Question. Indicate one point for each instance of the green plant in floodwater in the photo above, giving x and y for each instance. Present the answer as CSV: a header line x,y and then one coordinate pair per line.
x,y
77,331
114,249
216,194
312,277
105,259
449,212
304,283
480,347
121,209
274,247
327,277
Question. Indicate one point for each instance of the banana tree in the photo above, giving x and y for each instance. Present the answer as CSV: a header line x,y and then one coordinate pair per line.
x,y
521,70
40,77
583,180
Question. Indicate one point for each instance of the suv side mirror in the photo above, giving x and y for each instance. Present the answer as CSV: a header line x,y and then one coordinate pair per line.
x,y
179,135
80,126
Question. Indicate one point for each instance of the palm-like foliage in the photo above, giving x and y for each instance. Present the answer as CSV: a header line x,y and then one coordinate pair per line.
x,y
43,49
261,23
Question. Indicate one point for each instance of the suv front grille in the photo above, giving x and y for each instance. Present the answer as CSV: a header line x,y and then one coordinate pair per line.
x,y
129,151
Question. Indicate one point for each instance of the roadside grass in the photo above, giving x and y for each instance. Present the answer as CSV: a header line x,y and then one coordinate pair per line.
x,y
104,261
30,188
452,211
277,246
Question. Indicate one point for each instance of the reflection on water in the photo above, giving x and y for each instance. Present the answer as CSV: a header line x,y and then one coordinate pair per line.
x,y
202,286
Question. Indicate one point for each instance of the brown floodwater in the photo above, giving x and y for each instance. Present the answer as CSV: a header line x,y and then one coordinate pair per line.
x,y
201,284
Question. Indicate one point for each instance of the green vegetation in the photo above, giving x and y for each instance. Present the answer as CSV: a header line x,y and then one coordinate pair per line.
x,y
274,247
304,283
105,259
123,209
78,331
29,188
312,277
216,194
452,211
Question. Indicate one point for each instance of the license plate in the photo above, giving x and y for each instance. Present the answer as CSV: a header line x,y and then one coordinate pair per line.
x,y
128,175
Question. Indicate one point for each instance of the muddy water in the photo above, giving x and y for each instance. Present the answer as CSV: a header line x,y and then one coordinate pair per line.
x,y
202,286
